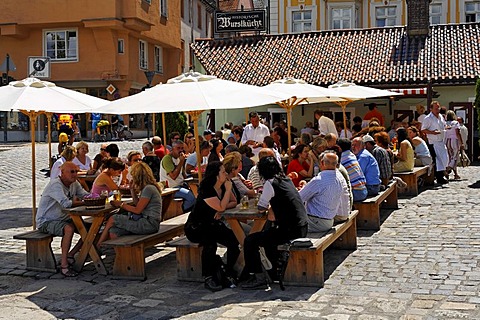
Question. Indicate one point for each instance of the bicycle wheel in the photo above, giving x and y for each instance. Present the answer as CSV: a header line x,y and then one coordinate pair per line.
x,y
128,135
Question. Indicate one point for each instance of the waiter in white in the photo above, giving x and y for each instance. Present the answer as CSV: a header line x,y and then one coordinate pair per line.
x,y
254,133
434,127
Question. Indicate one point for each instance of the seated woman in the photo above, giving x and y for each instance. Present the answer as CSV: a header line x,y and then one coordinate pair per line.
x,y
144,214
82,160
302,164
133,157
100,158
112,167
405,156
68,154
422,154
233,166
216,151
204,226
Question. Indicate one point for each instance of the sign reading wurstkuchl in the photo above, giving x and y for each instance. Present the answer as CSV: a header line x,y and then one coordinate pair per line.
x,y
239,21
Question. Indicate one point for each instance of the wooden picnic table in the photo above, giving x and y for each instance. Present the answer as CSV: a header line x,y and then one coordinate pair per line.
x,y
88,237
236,215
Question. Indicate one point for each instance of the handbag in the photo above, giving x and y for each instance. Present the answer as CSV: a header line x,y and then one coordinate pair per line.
x,y
463,160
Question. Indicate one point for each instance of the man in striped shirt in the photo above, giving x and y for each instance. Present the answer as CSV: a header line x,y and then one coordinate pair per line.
x,y
355,173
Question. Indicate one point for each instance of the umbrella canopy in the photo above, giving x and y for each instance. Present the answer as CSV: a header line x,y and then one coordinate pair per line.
x,y
351,92
33,97
194,91
37,95
300,92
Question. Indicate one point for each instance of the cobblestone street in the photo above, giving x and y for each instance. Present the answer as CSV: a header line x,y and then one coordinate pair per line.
x,y
422,264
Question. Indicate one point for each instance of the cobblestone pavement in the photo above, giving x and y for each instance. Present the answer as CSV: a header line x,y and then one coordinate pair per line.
x,y
422,264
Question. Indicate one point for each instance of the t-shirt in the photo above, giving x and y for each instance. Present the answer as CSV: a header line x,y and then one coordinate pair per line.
x,y
86,166
161,152
296,166
153,210
202,213
167,165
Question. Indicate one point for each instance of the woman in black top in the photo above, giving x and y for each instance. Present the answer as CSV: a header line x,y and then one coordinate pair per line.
x,y
204,226
287,213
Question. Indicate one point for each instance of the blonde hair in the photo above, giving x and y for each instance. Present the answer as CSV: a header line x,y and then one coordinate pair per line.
x,y
80,145
232,161
142,176
69,153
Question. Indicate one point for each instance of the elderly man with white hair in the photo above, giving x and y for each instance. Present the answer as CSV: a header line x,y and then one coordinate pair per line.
x,y
369,166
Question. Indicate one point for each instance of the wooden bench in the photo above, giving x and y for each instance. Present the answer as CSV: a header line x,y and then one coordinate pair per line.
x,y
129,260
369,209
305,267
40,255
411,179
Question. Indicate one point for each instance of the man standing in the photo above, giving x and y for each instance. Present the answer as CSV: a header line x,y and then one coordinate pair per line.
x,y
172,170
60,193
373,113
254,133
434,127
463,133
383,160
326,195
325,124
369,166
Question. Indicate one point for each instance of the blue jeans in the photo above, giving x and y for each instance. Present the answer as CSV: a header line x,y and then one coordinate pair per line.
x,y
188,198
373,190
360,195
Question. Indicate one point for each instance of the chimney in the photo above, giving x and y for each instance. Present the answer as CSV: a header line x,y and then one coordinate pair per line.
x,y
418,12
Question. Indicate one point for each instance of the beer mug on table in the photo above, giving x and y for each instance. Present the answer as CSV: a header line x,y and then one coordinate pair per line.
x,y
245,202
117,195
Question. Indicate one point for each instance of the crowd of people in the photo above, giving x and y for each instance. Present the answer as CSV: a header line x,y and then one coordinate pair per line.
x,y
331,167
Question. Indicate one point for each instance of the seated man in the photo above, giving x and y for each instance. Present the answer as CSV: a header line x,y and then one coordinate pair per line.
x,y
382,157
355,173
172,170
60,193
369,166
158,147
254,175
285,207
191,162
326,195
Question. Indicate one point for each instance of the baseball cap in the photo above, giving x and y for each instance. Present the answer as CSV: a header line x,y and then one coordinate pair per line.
x,y
368,138
207,132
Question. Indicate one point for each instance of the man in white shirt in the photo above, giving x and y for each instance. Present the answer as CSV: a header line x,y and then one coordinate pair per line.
x,y
254,133
434,127
325,124
463,132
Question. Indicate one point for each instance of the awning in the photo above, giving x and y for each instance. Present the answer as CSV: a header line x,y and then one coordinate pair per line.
x,y
411,92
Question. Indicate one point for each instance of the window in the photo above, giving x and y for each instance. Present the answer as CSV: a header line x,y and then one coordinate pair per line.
x,y
158,59
435,13
385,16
121,46
182,8
163,9
199,16
148,1
61,45
341,18
472,11
143,55
302,21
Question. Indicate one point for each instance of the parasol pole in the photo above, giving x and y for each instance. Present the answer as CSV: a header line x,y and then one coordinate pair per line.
x,y
247,112
32,115
49,133
154,125
288,105
343,105
195,115
164,130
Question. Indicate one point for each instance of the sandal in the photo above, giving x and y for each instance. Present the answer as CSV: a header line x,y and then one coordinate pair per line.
x,y
71,261
68,272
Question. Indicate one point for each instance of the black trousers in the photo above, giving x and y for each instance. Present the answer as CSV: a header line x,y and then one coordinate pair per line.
x,y
269,239
208,235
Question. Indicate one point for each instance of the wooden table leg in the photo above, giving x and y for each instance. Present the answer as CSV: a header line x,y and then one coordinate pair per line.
x,y
88,248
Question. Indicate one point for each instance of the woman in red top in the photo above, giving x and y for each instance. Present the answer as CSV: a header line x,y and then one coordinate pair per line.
x,y
302,164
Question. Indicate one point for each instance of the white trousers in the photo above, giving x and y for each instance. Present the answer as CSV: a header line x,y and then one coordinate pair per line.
x,y
441,155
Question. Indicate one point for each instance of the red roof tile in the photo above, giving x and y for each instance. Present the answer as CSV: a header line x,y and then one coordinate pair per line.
x,y
378,57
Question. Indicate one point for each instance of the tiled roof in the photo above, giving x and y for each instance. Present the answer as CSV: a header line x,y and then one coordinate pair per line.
x,y
375,57
230,5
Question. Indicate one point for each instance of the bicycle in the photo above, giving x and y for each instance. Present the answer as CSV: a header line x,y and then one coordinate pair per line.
x,y
124,132
103,132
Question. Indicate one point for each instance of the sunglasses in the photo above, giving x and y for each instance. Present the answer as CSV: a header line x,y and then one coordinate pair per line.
x,y
189,137
103,149
137,160
74,171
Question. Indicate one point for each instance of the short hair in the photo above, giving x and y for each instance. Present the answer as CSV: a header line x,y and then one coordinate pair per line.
x,y
253,114
372,106
413,129
177,142
330,136
268,168
69,153
344,144
329,158
319,142
357,119
319,112
382,138
218,134
131,154
265,152
306,138
269,142
231,148
81,144
113,150
114,163
205,145
156,140
148,145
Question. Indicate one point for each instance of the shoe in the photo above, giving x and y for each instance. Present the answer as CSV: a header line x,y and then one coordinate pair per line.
x,y
211,285
68,272
442,181
457,177
256,281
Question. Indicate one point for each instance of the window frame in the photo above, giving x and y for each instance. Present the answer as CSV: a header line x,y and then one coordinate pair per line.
x,y
443,11
352,19
476,12
120,46
145,52
66,31
302,21
158,59
386,17
163,8
289,15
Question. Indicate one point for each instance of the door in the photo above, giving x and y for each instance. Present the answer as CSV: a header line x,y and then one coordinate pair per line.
x,y
466,111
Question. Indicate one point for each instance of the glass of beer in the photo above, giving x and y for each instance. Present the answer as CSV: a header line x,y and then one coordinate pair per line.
x,y
245,202
117,195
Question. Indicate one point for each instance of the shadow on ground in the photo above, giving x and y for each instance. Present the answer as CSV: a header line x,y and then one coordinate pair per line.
x,y
15,218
